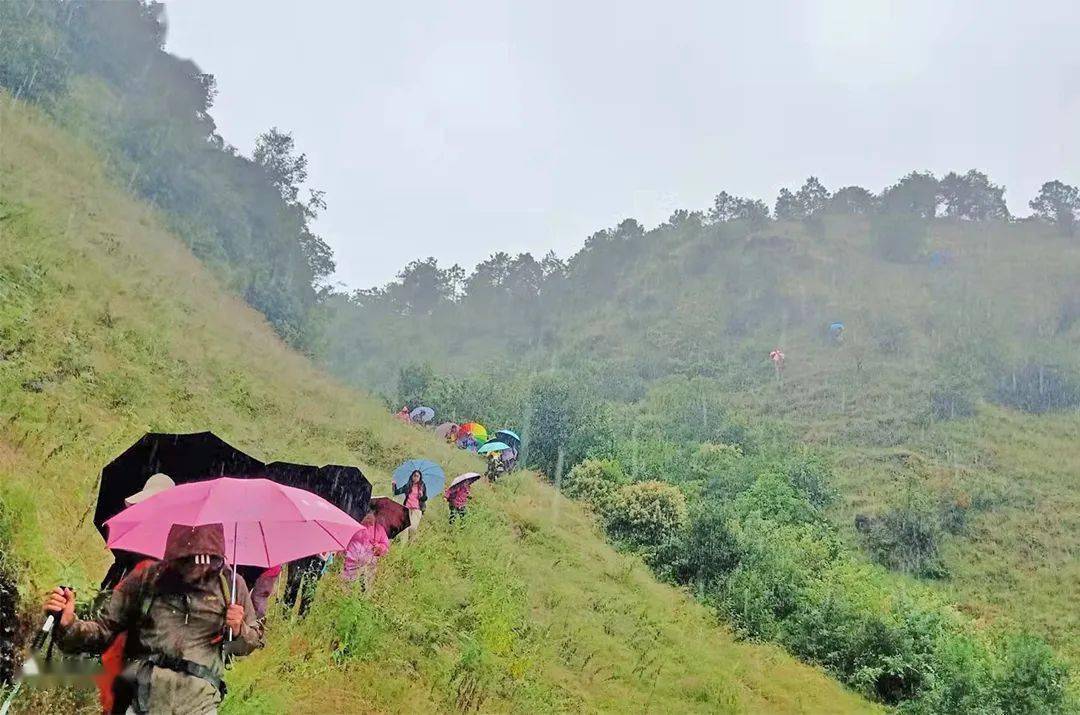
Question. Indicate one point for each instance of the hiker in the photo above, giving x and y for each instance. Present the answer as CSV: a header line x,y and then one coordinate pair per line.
x,y
457,496
509,458
176,613
496,466
303,577
366,547
261,582
403,414
777,357
125,563
836,333
415,492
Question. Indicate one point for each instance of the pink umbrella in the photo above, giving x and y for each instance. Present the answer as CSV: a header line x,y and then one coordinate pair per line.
x,y
265,523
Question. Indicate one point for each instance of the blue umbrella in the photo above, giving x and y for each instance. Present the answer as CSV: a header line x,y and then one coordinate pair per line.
x,y
493,447
433,475
514,441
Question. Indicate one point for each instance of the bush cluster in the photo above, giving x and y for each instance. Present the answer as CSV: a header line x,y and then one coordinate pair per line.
x,y
760,552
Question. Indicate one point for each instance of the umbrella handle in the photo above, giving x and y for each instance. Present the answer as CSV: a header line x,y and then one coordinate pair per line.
x,y
232,591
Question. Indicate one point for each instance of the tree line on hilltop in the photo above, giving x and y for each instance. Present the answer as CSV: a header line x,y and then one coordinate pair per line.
x,y
101,69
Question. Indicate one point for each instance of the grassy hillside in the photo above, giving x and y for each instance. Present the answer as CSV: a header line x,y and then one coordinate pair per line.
x,y
109,328
924,398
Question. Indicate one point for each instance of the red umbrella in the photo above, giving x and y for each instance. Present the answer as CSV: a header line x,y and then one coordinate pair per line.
x,y
393,517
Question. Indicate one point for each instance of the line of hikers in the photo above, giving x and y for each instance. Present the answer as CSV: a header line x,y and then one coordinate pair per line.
x,y
501,450
165,628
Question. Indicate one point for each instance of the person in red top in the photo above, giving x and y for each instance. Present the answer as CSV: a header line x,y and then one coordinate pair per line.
x,y
458,497
415,492
112,659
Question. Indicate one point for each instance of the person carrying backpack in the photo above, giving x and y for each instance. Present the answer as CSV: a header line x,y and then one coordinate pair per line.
x,y
179,622
124,563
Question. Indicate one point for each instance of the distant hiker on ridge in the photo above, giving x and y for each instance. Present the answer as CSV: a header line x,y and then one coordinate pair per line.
x,y
777,357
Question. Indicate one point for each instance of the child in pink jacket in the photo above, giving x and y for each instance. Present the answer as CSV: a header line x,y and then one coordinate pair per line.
x,y
364,549
458,498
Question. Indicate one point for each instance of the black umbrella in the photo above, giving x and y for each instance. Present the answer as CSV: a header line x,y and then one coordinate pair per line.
x,y
184,457
344,487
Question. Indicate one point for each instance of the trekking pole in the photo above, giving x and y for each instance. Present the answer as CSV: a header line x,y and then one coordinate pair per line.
x,y
47,627
29,667
10,698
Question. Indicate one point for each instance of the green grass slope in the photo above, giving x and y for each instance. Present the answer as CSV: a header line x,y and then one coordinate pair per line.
x,y
109,328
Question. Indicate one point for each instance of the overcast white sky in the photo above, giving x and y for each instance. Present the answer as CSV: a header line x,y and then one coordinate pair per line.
x,y
459,129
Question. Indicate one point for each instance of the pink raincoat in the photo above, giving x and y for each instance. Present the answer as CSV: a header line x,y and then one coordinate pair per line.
x,y
364,550
459,496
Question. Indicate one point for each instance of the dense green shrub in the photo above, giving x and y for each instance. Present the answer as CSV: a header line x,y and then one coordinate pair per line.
x,y
772,496
962,680
1030,678
595,482
907,538
647,514
651,457
756,547
711,460
812,476
777,561
706,551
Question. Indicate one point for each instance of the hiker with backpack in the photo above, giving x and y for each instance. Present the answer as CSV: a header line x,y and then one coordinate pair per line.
x,y
179,622
124,564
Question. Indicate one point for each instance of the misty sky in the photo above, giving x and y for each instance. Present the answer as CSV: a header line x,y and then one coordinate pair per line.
x,y
460,129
